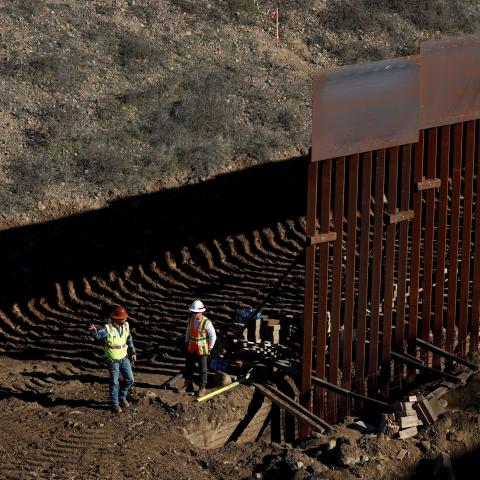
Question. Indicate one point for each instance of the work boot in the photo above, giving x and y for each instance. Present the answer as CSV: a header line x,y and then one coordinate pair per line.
x,y
189,388
201,392
124,403
117,409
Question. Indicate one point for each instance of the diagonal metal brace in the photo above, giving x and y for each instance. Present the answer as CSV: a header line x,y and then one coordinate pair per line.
x,y
409,360
348,393
444,353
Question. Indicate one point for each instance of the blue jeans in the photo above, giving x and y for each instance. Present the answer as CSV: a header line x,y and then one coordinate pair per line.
x,y
115,367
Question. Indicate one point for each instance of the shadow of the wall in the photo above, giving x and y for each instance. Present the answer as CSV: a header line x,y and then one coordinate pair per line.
x,y
461,467
139,228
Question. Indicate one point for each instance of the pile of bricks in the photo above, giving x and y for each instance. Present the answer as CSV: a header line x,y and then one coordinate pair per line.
x,y
253,332
264,348
272,330
410,413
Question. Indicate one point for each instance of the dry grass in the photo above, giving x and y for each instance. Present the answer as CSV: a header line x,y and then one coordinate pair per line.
x,y
179,89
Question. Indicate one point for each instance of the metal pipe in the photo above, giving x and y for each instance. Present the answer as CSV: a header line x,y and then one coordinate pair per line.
x,y
223,389
445,354
348,393
420,366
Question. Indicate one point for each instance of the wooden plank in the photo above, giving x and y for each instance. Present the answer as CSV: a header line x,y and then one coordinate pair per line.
x,y
466,238
390,255
454,236
306,384
377,264
322,238
429,246
428,184
401,216
323,261
415,255
441,241
363,270
350,273
301,417
336,285
476,268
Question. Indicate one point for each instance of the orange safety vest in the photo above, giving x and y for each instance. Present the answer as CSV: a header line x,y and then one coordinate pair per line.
x,y
198,341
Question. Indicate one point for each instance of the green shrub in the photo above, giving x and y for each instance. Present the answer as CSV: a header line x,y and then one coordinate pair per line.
x,y
32,175
193,120
54,72
376,15
133,48
433,15
8,68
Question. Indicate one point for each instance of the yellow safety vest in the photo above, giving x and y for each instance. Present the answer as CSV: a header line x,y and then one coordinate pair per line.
x,y
116,344
198,341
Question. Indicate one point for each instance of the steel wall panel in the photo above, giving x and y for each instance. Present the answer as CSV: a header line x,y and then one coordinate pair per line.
x,y
362,119
450,81
361,108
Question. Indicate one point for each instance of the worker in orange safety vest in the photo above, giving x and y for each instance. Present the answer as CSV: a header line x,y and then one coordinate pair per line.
x,y
200,338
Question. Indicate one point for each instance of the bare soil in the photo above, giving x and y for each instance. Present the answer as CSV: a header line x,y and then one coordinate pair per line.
x,y
56,424
55,418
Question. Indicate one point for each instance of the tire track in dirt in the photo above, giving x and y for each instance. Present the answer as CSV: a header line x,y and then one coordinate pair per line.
x,y
61,455
229,273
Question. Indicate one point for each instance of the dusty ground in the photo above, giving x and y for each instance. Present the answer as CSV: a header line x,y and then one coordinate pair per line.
x,y
56,424
53,386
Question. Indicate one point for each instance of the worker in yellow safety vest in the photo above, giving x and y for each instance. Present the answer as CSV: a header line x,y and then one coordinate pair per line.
x,y
118,344
200,338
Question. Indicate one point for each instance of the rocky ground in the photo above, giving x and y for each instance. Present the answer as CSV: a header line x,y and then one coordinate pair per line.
x,y
56,425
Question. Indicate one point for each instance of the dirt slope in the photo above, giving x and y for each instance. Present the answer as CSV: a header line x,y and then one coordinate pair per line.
x,y
101,100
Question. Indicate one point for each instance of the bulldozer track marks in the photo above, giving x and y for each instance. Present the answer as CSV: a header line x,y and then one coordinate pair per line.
x,y
64,452
229,273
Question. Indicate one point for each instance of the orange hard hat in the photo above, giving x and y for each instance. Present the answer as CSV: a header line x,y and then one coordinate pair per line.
x,y
119,313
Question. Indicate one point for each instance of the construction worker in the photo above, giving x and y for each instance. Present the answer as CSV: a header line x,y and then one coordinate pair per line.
x,y
118,345
200,338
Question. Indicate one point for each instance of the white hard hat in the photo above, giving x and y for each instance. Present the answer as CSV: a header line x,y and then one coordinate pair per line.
x,y
197,307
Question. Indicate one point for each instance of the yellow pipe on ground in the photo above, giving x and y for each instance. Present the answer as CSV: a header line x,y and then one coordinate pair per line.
x,y
223,389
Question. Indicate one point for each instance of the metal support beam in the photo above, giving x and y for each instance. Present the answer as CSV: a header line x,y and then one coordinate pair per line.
x,y
300,256
171,381
445,354
292,407
265,388
401,357
348,393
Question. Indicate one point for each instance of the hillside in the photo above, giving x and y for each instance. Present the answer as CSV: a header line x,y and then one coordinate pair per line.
x,y
101,100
